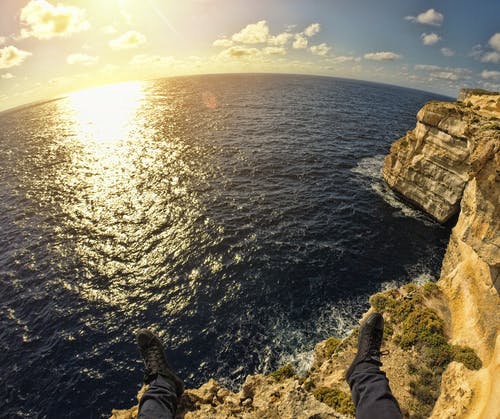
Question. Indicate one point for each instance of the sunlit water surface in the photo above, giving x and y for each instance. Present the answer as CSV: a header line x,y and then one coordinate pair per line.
x,y
241,217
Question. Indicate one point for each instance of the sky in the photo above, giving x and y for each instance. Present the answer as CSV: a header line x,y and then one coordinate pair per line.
x,y
49,48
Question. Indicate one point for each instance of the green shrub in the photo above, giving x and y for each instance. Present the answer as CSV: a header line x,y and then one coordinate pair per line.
x,y
416,326
420,327
331,345
411,288
437,356
378,302
388,330
412,368
422,393
400,310
287,371
430,288
466,356
335,398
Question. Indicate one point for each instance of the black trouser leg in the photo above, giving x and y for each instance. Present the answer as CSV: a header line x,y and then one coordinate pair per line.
x,y
371,393
159,401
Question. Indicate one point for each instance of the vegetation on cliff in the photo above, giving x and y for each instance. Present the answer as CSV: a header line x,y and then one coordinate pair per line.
x,y
416,327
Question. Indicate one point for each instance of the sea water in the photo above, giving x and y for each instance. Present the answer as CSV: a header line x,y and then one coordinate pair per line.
x,y
241,217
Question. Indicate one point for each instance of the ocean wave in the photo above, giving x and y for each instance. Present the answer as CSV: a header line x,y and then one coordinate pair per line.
x,y
369,170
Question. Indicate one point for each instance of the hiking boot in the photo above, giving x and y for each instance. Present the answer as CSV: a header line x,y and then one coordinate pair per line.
x,y
369,342
155,361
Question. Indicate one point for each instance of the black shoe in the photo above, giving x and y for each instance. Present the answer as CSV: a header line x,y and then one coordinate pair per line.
x,y
155,361
369,342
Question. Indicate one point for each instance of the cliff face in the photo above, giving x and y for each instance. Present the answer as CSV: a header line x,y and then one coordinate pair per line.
x,y
451,163
431,165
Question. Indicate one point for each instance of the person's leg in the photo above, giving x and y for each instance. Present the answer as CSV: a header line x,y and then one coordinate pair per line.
x,y
165,388
370,389
371,393
159,401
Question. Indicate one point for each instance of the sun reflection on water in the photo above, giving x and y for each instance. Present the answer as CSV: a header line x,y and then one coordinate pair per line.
x,y
106,114
132,204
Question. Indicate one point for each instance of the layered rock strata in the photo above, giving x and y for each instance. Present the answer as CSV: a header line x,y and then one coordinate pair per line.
x,y
431,165
451,162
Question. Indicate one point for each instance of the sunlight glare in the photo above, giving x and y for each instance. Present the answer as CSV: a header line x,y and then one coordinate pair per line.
x,y
105,114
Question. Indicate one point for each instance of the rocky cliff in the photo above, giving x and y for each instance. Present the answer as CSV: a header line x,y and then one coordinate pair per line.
x,y
451,163
431,165
443,341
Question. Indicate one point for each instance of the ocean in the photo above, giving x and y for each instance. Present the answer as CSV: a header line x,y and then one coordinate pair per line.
x,y
241,217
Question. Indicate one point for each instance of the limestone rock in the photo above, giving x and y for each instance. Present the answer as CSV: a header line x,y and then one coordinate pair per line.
x,y
470,281
260,397
456,393
431,165
450,163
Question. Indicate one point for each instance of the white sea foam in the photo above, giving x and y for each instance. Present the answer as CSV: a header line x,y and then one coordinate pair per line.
x,y
298,346
301,360
369,170
418,273
370,167
389,285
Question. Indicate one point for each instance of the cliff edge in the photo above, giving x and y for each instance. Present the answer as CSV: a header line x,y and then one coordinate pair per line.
x,y
450,163
442,338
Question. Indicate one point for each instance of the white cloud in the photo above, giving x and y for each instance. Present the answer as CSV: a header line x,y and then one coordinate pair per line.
x,y
346,59
476,51
11,56
254,33
312,29
7,76
3,40
240,52
81,59
495,42
430,17
274,51
445,75
382,56
479,53
129,40
280,40
447,52
491,57
491,75
224,43
430,38
321,49
427,67
492,87
43,20
300,41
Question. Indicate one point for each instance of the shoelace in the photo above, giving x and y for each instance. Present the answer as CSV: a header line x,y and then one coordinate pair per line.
x,y
375,355
376,341
152,358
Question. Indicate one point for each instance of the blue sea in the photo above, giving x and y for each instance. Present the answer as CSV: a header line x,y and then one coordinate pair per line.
x,y
241,217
